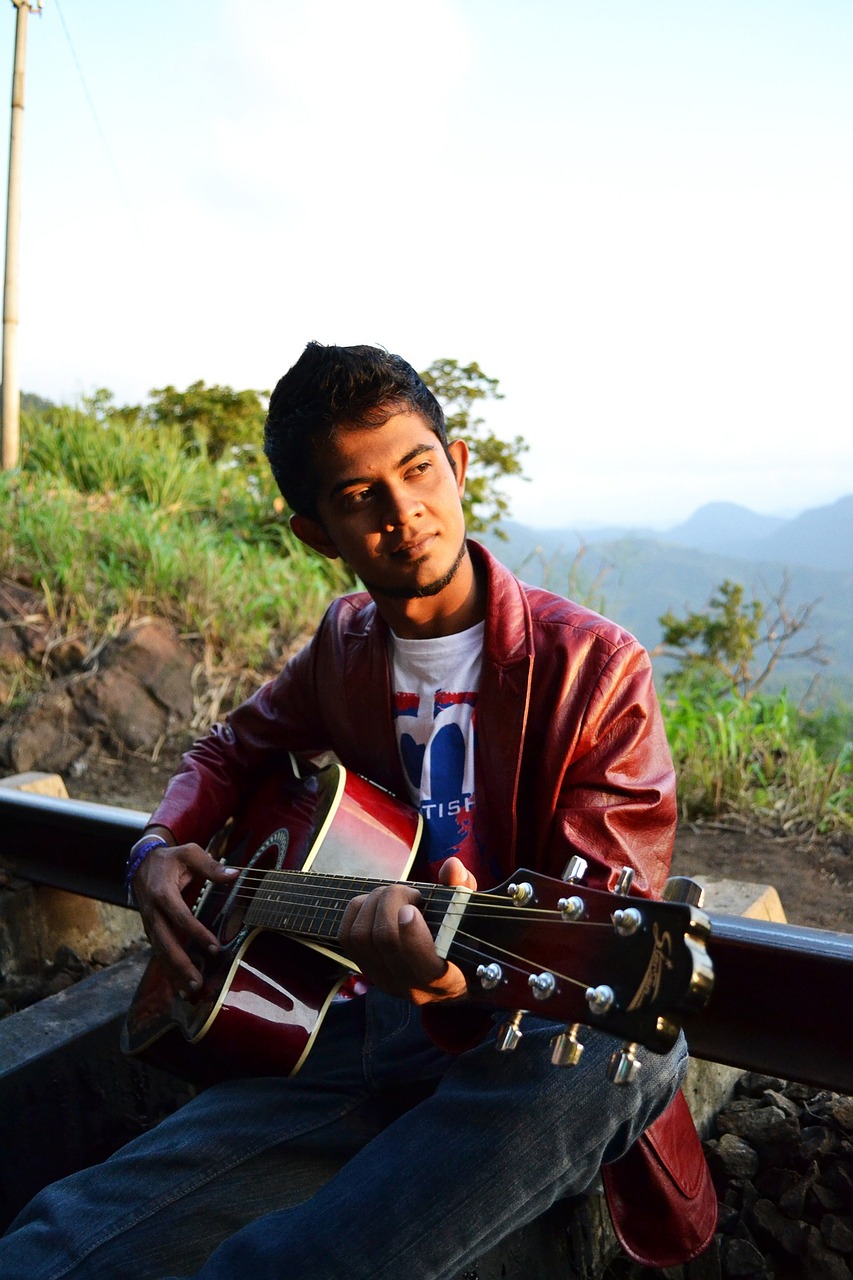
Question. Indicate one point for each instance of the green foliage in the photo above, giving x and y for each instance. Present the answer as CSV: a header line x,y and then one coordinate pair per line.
x,y
720,643
458,388
113,521
215,422
735,644
759,759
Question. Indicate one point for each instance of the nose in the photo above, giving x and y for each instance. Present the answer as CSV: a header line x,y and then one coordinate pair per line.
x,y
400,507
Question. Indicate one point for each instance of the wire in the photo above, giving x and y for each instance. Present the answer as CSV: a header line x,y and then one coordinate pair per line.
x,y
107,151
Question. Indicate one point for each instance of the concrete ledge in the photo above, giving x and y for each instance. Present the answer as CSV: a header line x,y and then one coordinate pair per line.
x,y
69,1095
40,784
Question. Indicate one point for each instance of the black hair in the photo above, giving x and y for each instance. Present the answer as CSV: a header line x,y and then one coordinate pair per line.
x,y
328,387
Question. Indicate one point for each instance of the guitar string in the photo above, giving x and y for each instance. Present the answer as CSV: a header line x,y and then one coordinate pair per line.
x,y
522,965
314,903
324,895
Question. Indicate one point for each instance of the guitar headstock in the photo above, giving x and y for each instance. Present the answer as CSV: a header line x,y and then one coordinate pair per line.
x,y
628,965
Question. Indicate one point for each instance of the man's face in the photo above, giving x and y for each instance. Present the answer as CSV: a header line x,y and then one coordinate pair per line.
x,y
390,506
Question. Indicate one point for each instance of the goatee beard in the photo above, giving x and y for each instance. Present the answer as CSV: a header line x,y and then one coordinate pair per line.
x,y
426,589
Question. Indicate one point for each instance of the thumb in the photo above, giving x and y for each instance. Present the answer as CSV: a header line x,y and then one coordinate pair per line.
x,y
453,872
217,872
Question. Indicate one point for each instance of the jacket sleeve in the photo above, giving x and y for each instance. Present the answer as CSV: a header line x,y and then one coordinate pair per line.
x,y
616,803
216,772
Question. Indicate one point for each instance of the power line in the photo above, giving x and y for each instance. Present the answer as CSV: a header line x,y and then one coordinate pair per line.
x,y
107,151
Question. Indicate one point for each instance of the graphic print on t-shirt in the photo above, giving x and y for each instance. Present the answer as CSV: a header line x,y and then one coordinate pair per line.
x,y
437,739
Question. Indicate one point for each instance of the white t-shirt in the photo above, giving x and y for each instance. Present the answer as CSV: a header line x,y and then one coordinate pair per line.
x,y
434,696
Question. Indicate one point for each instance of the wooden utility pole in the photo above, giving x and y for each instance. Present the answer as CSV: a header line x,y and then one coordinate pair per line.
x,y
9,423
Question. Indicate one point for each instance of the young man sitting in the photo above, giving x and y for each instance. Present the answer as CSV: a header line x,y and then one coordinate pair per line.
x,y
526,729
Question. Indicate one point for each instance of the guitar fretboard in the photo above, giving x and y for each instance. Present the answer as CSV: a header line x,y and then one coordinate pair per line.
x,y
309,905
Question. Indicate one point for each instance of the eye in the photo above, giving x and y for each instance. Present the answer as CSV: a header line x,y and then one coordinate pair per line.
x,y
356,498
420,468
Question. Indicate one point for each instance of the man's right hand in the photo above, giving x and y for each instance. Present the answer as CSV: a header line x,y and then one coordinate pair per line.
x,y
169,923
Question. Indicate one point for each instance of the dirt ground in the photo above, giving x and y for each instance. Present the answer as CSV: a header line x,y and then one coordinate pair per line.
x,y
814,878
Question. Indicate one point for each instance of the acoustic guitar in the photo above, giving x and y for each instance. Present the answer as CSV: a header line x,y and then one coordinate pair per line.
x,y
308,842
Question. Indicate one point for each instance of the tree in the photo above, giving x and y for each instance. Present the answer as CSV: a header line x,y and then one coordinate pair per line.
x,y
737,643
226,424
458,388
212,420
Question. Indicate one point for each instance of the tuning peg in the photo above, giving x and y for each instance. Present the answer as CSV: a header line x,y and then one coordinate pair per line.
x,y
600,999
572,908
626,879
566,1049
627,922
575,868
522,894
683,889
490,975
510,1033
624,1065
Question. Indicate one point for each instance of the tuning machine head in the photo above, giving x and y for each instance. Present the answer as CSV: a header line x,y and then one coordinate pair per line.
x,y
624,1066
510,1033
566,1049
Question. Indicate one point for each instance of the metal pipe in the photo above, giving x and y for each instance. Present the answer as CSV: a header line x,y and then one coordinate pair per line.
x,y
69,844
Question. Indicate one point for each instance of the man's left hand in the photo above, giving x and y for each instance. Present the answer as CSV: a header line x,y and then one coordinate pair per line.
x,y
385,934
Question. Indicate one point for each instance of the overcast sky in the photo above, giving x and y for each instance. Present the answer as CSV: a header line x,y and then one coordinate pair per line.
x,y
635,213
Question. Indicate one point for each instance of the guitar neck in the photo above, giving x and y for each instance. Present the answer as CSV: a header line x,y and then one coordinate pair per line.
x,y
311,905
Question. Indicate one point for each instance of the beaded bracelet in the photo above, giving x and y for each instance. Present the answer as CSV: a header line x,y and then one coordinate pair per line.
x,y
138,854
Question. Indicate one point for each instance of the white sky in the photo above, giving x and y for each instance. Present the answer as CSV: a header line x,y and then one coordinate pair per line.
x,y
637,214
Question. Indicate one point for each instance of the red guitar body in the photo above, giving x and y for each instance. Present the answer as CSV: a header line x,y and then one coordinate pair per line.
x,y
265,995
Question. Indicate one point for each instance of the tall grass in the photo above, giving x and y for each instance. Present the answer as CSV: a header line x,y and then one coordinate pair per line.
x,y
114,522
760,760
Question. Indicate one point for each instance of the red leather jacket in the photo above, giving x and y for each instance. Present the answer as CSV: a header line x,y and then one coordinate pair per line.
x,y
571,757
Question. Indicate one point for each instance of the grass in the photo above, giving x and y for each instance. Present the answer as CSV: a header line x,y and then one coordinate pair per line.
x,y
113,524
761,760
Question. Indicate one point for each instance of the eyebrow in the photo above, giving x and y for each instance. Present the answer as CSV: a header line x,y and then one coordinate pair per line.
x,y
404,461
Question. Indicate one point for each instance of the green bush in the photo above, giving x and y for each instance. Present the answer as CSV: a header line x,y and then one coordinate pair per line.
x,y
760,760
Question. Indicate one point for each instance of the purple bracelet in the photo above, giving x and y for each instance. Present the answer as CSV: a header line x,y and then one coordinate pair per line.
x,y
138,854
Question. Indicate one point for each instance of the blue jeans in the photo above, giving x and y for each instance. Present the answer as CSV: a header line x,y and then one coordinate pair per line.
x,y
384,1157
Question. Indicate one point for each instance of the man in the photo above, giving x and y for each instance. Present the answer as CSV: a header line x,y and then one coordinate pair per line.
x,y
527,730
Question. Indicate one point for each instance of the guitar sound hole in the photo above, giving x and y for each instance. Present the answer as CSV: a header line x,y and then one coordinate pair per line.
x,y
231,922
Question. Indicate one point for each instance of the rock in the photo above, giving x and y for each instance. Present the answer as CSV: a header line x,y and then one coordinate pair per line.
x,y
730,1157
67,656
136,691
741,1258
780,1100
793,1201
817,1140
823,1263
47,734
23,622
151,654
753,1084
767,1130
771,1227
837,1232
841,1110
119,706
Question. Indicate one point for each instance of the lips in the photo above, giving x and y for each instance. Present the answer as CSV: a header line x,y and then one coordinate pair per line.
x,y
415,549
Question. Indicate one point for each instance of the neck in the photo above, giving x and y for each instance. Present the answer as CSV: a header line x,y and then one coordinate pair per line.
x,y
459,606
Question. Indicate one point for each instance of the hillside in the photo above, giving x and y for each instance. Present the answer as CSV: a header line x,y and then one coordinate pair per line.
x,y
635,578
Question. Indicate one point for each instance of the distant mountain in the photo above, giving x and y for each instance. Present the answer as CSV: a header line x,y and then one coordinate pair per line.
x,y
635,580
821,538
719,524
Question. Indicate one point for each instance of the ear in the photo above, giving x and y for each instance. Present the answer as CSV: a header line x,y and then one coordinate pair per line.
x,y
312,533
458,450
